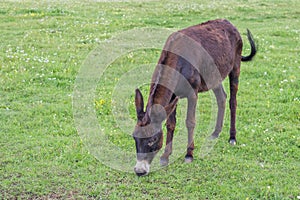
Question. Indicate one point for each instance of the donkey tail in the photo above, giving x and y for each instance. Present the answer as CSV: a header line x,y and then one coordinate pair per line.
x,y
253,48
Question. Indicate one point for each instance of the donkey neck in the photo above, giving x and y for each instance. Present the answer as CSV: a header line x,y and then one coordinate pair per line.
x,y
159,98
159,95
164,81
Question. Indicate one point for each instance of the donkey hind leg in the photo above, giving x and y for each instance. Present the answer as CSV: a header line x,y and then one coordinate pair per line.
x,y
221,101
190,124
234,82
171,123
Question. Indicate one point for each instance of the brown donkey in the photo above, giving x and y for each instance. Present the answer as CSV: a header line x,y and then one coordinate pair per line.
x,y
195,59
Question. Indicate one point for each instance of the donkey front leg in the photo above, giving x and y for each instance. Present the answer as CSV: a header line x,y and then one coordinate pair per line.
x,y
190,124
171,123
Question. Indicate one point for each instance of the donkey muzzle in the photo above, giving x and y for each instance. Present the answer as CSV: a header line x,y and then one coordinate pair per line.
x,y
142,168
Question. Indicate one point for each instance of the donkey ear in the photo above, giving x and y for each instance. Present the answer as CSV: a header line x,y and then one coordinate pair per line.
x,y
171,107
139,104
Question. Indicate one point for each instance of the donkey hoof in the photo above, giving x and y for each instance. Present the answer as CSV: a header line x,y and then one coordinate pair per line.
x,y
213,137
232,142
188,159
164,161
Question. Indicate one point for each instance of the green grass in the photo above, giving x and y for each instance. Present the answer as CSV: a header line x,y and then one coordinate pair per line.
x,y
43,45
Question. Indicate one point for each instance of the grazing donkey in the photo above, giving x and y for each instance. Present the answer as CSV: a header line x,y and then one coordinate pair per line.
x,y
195,59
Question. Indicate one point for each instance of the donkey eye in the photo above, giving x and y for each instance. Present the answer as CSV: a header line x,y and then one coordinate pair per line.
x,y
152,141
150,144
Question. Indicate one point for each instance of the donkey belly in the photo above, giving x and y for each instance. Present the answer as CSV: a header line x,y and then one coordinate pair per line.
x,y
199,78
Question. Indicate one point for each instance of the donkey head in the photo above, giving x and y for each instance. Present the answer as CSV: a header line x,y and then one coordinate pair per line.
x,y
148,133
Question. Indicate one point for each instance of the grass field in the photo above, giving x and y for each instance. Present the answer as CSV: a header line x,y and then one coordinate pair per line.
x,y
44,45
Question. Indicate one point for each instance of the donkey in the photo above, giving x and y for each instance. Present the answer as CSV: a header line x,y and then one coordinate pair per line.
x,y
195,59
